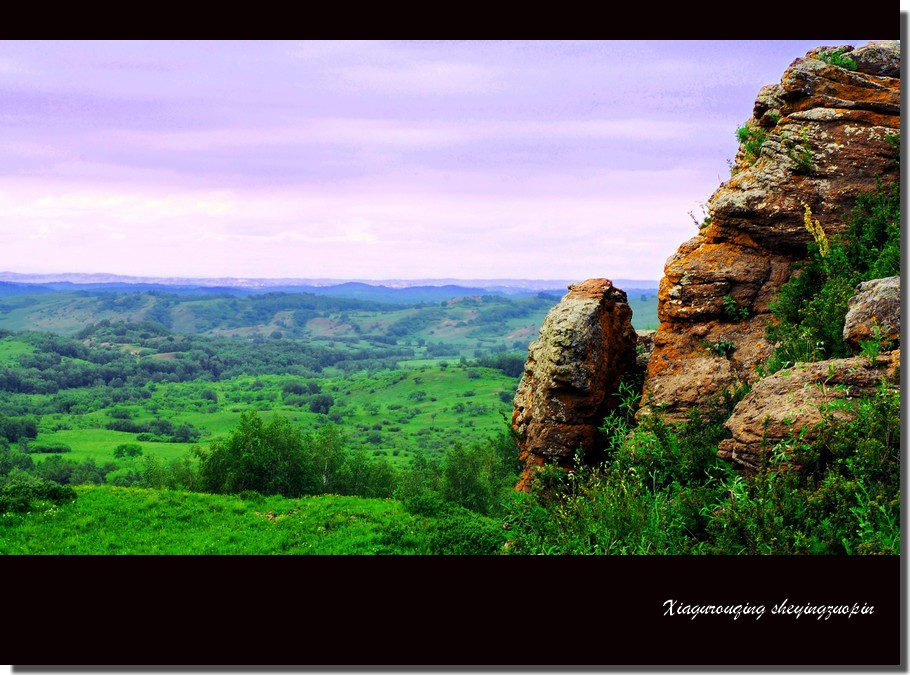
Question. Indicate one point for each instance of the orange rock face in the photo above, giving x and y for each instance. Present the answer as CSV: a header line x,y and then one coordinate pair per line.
x,y
586,345
826,139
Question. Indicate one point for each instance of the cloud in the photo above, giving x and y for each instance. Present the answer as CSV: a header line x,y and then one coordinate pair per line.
x,y
425,77
418,135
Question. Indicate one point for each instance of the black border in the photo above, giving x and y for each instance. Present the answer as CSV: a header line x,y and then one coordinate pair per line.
x,y
435,612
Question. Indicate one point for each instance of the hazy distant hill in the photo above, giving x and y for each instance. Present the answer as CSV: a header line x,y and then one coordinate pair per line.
x,y
337,287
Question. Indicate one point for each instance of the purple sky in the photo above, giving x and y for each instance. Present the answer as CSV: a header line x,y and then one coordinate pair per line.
x,y
376,160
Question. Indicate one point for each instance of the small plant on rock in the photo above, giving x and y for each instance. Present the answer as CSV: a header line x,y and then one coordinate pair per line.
x,y
704,222
752,139
835,57
722,347
734,310
801,155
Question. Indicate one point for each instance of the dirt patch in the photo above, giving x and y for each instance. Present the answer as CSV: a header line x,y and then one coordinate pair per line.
x,y
274,517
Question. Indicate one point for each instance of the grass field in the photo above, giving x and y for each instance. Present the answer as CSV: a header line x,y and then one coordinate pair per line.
x,y
112,520
395,414
11,350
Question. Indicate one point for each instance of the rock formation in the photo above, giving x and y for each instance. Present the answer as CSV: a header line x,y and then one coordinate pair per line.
x,y
818,138
876,303
793,401
586,344
644,347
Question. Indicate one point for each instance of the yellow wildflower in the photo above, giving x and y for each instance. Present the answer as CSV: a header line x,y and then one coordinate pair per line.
x,y
815,229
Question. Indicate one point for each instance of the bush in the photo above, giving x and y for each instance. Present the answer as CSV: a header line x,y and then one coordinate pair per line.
x,y
20,492
268,458
127,450
321,403
13,459
733,310
458,531
48,448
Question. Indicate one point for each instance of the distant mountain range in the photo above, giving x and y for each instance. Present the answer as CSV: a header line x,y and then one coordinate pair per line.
x,y
346,287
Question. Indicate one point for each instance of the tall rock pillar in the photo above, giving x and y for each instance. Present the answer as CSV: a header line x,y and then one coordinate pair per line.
x,y
586,345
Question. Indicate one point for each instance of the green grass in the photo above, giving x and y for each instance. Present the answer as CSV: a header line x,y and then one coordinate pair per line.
x,y
100,444
112,520
11,349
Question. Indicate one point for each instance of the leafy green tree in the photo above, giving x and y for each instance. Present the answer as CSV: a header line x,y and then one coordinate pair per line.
x,y
322,403
466,478
268,458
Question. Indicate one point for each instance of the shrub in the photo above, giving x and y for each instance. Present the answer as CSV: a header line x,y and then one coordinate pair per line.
x,y
48,448
127,450
801,155
458,531
20,492
11,459
269,458
321,403
722,348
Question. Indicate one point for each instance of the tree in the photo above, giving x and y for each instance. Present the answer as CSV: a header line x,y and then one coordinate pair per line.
x,y
268,458
322,403
466,479
328,457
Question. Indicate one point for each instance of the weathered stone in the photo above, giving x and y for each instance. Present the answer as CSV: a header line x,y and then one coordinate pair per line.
x,y
875,61
586,345
790,403
876,303
644,345
827,142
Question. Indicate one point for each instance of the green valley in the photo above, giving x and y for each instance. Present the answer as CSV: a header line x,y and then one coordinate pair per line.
x,y
400,409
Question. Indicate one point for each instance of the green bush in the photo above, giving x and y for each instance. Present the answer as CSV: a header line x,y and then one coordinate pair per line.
x,y
645,499
269,458
664,491
458,531
11,459
801,155
127,450
722,347
48,448
21,492
847,501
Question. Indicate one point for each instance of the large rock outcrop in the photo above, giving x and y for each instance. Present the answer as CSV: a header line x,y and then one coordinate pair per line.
x,y
791,403
817,139
586,345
